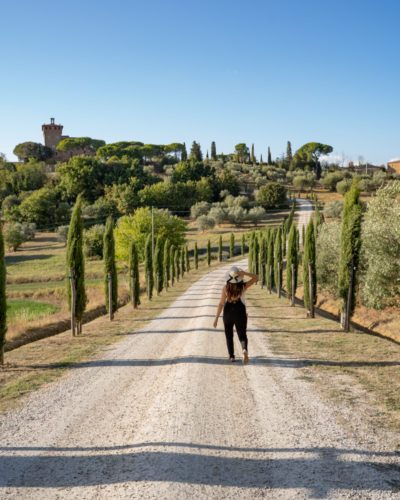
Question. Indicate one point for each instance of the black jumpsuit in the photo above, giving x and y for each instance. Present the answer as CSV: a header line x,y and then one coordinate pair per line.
x,y
235,315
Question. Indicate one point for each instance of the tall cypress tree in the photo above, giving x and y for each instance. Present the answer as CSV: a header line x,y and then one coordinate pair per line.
x,y
309,257
76,263
209,252
232,246
289,220
263,258
350,243
303,235
270,260
172,263
167,266
184,153
252,157
187,259
195,152
183,263
256,254
250,254
3,300
278,258
261,161
243,248
177,260
269,156
317,215
292,264
158,265
220,248
213,151
109,264
289,155
196,256
284,235
134,266
148,266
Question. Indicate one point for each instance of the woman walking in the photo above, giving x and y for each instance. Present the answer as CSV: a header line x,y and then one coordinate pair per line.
x,y
233,303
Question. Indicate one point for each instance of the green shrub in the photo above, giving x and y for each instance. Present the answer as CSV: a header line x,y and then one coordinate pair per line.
x,y
93,241
272,195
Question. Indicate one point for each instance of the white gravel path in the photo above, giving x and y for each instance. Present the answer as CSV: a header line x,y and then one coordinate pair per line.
x,y
164,415
304,210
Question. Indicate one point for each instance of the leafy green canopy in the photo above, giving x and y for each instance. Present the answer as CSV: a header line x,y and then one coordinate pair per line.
x,y
137,227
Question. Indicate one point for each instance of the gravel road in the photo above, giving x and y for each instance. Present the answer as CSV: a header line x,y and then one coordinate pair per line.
x,y
163,414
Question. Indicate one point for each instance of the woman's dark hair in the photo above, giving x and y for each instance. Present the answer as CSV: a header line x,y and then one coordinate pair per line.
x,y
234,291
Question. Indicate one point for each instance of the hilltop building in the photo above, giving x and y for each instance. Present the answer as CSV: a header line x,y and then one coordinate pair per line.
x,y
394,167
52,134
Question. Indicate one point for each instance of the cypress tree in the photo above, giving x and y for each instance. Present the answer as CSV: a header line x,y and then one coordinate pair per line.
x,y
270,260
292,261
187,259
148,267
256,255
209,252
350,242
278,258
303,235
196,256
213,151
284,235
289,155
243,249
177,263
289,220
269,156
220,248
183,263
317,215
76,263
184,153
309,257
158,265
167,265
252,157
263,258
232,246
250,254
3,300
109,264
134,266
195,152
172,263
261,161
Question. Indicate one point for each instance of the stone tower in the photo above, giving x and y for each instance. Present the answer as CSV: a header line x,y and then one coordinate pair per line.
x,y
52,134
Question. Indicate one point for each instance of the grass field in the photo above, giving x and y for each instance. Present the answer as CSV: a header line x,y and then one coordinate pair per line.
x,y
359,369
28,310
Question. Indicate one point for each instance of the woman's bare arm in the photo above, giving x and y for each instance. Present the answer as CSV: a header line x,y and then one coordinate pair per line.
x,y
220,306
254,279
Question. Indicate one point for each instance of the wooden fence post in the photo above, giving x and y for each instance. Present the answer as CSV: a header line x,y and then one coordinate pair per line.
x,y
148,286
73,301
110,297
166,279
310,281
262,276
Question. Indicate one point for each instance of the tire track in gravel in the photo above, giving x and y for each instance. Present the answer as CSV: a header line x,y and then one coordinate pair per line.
x,y
163,414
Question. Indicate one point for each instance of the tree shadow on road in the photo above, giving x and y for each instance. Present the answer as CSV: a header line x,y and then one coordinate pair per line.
x,y
317,470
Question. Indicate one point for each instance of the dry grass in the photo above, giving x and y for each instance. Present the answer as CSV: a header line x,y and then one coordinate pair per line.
x,y
359,369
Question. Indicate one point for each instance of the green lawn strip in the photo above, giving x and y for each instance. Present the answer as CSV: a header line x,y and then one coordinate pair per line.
x,y
28,310
30,366
338,362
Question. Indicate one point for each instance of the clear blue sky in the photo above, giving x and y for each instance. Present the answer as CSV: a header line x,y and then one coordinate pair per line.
x,y
232,71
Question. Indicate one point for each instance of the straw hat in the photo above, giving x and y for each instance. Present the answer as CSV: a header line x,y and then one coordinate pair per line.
x,y
232,276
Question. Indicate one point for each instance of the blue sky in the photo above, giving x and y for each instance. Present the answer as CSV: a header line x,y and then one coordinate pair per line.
x,y
232,71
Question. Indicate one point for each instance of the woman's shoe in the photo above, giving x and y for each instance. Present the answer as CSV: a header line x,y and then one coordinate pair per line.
x,y
245,357
232,359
